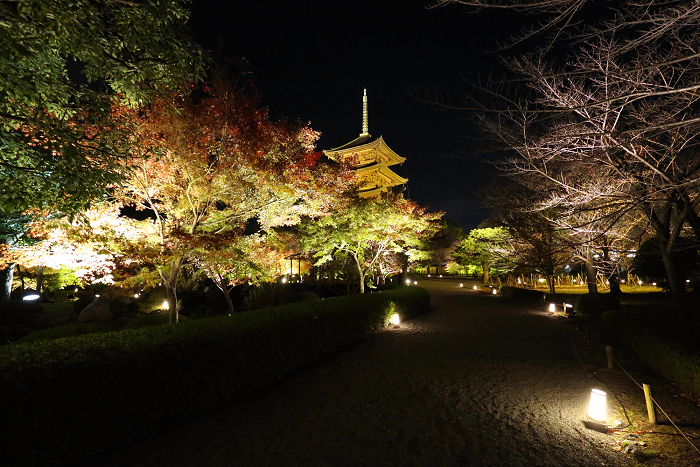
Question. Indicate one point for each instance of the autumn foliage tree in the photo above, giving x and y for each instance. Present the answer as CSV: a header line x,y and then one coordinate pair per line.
x,y
367,229
209,164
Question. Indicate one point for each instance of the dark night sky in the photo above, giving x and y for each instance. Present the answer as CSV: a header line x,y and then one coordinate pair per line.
x,y
312,58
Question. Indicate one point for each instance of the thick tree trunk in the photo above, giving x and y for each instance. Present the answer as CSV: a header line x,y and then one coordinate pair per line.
x,y
487,278
6,276
550,281
591,273
673,274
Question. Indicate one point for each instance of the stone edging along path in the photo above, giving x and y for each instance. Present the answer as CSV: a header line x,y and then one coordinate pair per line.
x,y
479,381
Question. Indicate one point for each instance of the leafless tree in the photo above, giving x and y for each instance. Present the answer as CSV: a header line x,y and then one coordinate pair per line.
x,y
605,127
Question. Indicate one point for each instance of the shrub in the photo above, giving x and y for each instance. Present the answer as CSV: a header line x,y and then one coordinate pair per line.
x,y
19,312
151,319
304,296
69,330
667,344
594,305
266,295
67,399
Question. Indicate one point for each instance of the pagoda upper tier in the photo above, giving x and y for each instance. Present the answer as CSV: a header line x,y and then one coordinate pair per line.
x,y
370,159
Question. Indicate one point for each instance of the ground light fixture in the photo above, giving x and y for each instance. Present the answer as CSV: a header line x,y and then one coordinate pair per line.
x,y
495,291
552,307
474,287
395,320
165,304
31,297
461,285
415,282
408,282
597,410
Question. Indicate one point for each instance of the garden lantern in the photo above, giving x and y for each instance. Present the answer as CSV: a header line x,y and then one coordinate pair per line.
x,y
408,282
461,285
395,320
165,304
597,406
552,307
474,287
495,291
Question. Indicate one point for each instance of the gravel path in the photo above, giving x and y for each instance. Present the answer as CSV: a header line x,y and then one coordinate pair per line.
x,y
479,381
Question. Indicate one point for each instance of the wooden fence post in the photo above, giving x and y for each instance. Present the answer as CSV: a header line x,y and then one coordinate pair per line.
x,y
650,404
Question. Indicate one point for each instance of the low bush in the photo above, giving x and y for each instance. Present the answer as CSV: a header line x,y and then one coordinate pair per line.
x,y
67,399
14,312
151,319
667,343
594,305
69,330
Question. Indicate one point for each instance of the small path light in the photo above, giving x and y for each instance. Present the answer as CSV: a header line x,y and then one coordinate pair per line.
x,y
31,297
136,295
552,307
165,304
395,320
597,407
475,288
640,282
495,291
408,282
461,285
440,275
415,282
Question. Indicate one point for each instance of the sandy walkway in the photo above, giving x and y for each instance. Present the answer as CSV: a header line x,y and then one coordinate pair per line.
x,y
480,381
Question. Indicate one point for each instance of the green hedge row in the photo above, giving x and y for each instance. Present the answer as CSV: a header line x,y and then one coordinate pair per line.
x,y
67,399
667,345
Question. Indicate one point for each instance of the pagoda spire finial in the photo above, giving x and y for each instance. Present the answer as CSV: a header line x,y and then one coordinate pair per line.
x,y
365,118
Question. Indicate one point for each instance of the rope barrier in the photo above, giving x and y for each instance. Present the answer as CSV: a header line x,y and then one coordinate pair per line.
x,y
657,405
653,400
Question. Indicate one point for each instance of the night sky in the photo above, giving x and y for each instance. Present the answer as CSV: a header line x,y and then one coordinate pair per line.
x,y
311,60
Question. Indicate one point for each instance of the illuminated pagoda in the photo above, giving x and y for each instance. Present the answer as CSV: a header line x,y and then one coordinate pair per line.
x,y
370,159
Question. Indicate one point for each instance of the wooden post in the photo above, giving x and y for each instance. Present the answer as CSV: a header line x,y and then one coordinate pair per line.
x,y
650,404
611,362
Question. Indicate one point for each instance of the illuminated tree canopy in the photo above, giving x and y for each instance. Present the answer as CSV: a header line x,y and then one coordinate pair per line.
x,y
66,65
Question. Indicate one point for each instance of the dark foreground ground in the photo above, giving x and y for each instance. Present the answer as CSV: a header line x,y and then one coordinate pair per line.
x,y
479,381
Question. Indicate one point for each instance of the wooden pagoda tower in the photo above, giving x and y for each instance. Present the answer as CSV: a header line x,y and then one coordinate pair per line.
x,y
370,159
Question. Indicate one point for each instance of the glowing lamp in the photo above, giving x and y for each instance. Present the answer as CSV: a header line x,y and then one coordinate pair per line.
x,y
408,282
461,285
474,287
495,292
440,275
97,295
428,275
654,284
542,280
136,295
598,406
395,319
415,282
284,280
687,280
552,307
165,304
31,297
640,282
76,290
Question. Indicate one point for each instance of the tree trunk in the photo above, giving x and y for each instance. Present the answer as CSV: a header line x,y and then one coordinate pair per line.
x,y
675,280
614,284
39,279
591,273
6,276
487,277
550,281
170,282
229,302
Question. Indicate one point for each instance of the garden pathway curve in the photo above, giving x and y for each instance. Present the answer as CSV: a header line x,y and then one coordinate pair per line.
x,y
479,381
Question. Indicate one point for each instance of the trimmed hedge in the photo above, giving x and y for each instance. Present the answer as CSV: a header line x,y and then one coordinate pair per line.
x,y
64,400
669,347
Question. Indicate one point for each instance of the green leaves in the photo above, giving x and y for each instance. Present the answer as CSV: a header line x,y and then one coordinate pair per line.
x,y
66,64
